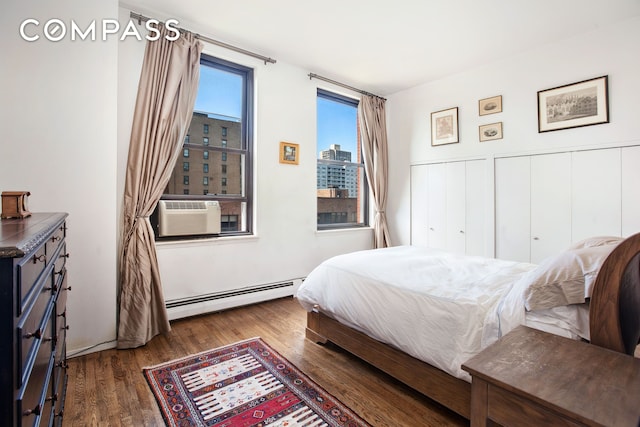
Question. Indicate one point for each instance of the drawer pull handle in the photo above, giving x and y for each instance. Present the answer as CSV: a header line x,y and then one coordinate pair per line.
x,y
55,238
35,411
63,314
64,255
68,288
36,334
41,258
53,398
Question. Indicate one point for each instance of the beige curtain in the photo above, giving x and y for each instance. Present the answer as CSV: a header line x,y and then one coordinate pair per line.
x,y
164,106
373,136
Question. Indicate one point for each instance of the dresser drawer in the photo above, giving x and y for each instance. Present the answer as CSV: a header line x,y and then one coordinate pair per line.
x,y
60,261
60,310
32,398
509,410
33,329
55,240
28,272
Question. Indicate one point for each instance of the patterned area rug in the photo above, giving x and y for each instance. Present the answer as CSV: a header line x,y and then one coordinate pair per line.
x,y
243,384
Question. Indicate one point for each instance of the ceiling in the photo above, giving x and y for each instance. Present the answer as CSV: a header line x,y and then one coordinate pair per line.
x,y
384,46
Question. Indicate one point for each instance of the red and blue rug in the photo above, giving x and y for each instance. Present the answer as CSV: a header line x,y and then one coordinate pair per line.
x,y
243,384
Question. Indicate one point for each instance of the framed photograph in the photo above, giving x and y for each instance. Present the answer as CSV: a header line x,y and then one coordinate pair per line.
x,y
490,105
578,104
289,153
490,132
444,127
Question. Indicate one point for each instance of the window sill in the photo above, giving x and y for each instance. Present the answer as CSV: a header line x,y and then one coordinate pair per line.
x,y
344,230
207,241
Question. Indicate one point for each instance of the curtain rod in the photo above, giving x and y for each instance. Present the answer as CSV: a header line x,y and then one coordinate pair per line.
x,y
142,18
355,89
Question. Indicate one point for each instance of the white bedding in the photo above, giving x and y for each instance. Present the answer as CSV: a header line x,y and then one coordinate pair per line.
x,y
436,306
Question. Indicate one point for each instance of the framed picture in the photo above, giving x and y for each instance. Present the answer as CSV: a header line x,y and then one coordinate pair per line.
x,y
444,127
578,104
289,153
490,132
490,105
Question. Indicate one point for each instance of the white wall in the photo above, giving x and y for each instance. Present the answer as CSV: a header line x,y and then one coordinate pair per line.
x,y
58,121
608,51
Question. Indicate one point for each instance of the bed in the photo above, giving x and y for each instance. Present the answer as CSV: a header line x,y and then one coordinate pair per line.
x,y
418,313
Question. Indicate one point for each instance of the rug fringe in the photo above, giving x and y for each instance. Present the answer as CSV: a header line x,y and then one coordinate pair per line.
x,y
146,368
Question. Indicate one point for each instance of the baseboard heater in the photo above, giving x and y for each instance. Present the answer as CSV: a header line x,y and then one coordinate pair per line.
x,y
206,303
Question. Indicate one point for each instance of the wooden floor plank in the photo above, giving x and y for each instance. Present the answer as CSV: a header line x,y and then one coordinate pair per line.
x,y
109,389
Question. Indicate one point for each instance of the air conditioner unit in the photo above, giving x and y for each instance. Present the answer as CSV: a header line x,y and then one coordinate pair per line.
x,y
188,217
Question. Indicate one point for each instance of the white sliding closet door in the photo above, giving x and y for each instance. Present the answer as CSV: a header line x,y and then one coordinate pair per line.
x,y
436,208
419,203
513,208
456,207
476,207
550,205
596,198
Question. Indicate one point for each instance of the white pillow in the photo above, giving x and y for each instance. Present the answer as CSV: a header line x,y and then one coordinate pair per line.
x,y
564,279
590,242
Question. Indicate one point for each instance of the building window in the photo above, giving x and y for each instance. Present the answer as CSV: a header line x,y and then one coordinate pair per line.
x,y
185,180
341,182
224,182
185,152
224,142
224,168
185,166
186,139
229,112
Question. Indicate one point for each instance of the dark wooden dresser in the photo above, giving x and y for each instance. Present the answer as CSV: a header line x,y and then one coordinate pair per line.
x,y
33,295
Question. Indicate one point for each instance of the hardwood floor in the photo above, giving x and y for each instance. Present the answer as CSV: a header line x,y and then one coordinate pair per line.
x,y
107,388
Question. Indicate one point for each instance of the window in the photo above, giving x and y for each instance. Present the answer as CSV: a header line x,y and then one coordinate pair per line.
x,y
223,107
341,182
185,166
224,168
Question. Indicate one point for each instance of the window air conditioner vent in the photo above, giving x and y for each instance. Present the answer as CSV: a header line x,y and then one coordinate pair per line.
x,y
188,217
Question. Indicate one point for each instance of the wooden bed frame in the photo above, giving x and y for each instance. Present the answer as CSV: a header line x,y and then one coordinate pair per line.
x,y
614,321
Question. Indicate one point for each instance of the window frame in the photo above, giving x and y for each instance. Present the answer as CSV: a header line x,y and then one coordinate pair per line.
x,y
364,191
247,144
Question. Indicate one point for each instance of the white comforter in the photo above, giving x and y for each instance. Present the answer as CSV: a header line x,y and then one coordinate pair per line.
x,y
436,306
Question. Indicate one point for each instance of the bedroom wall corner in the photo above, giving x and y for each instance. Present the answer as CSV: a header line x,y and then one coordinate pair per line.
x,y
59,121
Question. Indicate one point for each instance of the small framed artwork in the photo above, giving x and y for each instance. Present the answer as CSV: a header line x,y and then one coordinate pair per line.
x,y
490,132
578,104
444,127
289,153
490,105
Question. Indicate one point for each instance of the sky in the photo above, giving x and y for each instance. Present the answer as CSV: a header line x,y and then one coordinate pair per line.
x,y
220,92
337,125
